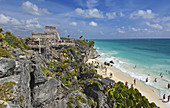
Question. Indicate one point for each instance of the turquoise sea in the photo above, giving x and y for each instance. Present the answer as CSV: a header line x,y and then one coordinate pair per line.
x,y
151,56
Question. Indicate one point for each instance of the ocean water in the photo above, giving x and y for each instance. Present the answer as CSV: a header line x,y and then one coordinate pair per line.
x,y
151,56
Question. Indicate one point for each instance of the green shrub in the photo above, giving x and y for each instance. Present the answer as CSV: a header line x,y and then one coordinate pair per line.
x,y
78,105
74,64
64,51
67,60
81,99
4,53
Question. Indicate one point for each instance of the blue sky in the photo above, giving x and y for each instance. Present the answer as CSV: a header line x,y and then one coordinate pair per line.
x,y
94,19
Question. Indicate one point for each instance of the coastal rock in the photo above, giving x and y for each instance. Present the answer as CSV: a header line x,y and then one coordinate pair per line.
x,y
13,105
39,76
96,92
19,52
44,93
6,67
61,103
23,91
107,81
8,104
74,94
111,62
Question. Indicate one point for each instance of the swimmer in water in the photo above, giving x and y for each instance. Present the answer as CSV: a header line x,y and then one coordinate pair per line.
x,y
134,67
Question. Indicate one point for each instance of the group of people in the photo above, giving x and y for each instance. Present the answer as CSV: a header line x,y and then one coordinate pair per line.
x,y
98,65
126,83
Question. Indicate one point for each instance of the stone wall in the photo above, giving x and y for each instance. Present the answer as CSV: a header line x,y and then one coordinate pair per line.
x,y
50,29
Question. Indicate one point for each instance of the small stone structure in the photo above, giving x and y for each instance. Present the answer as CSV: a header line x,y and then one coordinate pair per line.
x,y
50,33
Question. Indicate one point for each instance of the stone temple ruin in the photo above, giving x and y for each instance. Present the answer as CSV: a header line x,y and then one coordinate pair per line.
x,y
50,33
48,41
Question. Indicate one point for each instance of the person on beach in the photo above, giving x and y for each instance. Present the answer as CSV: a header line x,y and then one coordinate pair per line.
x,y
163,96
168,85
160,74
105,71
155,80
110,75
146,79
126,83
168,98
134,81
101,66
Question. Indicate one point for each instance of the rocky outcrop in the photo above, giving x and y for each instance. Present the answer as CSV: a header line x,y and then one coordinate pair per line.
x,y
44,93
81,100
24,90
6,67
96,92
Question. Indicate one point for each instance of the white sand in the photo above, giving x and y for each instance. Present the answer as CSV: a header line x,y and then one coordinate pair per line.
x,y
145,90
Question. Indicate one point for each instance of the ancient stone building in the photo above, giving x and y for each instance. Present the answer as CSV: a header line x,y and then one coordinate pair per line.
x,y
50,33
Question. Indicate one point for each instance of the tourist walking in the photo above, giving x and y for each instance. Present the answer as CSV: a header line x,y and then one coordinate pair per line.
x,y
126,83
110,75
146,79
134,81
105,71
163,96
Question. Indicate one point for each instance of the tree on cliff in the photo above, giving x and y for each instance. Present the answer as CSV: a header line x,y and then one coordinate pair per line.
x,y
68,36
1,30
81,36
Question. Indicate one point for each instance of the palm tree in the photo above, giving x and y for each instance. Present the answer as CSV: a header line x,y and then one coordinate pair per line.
x,y
68,36
81,36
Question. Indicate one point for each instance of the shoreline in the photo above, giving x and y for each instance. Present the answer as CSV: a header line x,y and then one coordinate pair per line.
x,y
144,89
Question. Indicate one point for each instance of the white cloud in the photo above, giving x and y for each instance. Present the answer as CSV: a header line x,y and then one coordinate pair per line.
x,y
73,24
15,21
90,13
33,9
32,23
135,29
92,23
111,15
157,26
164,19
144,14
20,26
41,0
4,19
92,3
121,14
121,30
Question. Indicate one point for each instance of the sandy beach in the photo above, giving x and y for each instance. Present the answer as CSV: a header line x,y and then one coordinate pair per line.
x,y
145,90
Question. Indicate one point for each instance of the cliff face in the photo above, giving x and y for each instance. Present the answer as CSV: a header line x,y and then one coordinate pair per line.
x,y
33,89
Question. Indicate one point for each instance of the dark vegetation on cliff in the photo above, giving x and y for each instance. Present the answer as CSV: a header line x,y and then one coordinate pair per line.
x,y
33,81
